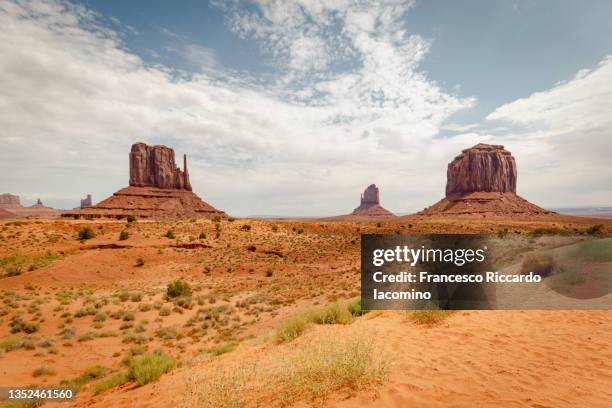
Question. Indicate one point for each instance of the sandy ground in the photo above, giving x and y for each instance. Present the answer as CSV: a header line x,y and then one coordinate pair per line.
x,y
257,275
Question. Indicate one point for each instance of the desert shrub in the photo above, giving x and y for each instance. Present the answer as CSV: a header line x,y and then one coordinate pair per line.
x,y
140,262
331,314
245,227
165,311
170,234
123,235
136,296
178,288
202,235
43,370
428,317
90,374
539,264
87,337
150,367
86,233
115,381
269,273
131,218
355,309
291,328
166,333
274,228
595,229
222,349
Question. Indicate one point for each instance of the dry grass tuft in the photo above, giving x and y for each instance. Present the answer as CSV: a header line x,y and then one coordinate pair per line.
x,y
311,370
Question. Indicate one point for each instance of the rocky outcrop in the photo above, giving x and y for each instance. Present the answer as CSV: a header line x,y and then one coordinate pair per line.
x,y
369,208
482,168
154,166
9,201
482,181
158,189
86,202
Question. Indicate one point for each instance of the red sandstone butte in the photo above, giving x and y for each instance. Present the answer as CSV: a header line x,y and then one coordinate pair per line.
x,y
482,180
9,201
157,189
370,204
153,166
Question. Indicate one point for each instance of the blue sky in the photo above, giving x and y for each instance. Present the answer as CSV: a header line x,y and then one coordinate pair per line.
x,y
292,108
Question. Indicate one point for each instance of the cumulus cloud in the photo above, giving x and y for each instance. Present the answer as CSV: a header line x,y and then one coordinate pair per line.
x,y
73,98
563,137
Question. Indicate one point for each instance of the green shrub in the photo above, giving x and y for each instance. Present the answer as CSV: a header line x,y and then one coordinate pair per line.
x,y
245,227
131,218
125,234
202,235
86,233
355,309
178,288
170,234
150,367
222,349
115,381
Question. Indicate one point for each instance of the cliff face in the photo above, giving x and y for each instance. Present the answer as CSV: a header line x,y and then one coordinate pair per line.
x,y
158,189
154,166
482,168
9,201
480,181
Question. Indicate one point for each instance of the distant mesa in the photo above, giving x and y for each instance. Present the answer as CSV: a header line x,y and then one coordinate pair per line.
x,y
370,204
157,189
8,201
11,207
482,180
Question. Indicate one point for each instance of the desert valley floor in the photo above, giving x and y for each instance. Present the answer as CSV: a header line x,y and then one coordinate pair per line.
x,y
76,312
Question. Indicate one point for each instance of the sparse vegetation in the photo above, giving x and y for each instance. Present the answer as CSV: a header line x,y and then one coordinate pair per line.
x,y
150,367
178,288
123,235
428,317
86,233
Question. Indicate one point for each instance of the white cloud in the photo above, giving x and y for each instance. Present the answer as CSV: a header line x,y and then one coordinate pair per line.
x,y
73,99
563,137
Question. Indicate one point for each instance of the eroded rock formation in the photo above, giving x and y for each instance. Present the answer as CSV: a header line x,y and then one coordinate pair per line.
x,y
482,168
480,181
9,201
154,166
369,205
86,202
158,189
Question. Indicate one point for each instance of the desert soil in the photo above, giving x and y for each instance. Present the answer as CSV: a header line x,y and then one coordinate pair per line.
x,y
94,302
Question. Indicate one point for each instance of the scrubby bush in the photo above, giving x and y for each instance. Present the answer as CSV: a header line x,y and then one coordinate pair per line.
x,y
354,308
140,262
542,265
123,235
428,317
131,218
150,367
86,233
178,288
170,234
291,328
202,235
